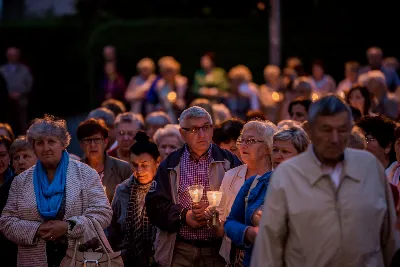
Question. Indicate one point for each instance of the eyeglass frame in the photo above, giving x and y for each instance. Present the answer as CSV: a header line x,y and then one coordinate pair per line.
x,y
197,129
240,141
89,141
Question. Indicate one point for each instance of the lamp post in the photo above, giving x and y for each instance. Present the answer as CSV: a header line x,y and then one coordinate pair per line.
x,y
275,33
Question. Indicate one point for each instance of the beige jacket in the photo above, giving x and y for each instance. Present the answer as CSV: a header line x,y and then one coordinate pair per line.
x,y
20,218
231,184
308,222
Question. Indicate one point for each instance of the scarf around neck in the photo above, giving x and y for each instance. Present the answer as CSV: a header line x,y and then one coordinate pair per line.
x,y
49,196
138,228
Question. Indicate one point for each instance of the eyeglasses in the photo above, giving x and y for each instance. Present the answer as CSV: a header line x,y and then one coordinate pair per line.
x,y
370,139
249,142
195,130
89,141
129,133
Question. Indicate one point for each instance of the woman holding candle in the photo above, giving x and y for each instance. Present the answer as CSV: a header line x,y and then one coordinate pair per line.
x,y
255,147
130,229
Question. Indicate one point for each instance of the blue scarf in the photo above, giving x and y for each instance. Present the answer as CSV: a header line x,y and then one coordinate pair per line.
x,y
50,195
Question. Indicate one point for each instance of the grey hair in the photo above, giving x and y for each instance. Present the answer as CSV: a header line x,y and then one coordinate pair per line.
x,y
48,126
20,144
304,82
158,118
129,117
378,76
103,113
168,130
296,135
328,106
267,130
287,123
194,112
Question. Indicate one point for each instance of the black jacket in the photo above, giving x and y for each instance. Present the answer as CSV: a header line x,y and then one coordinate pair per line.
x,y
161,210
8,250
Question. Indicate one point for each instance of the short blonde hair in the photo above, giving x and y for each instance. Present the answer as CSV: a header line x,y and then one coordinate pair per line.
x,y
146,63
267,130
272,70
168,130
296,135
169,63
240,72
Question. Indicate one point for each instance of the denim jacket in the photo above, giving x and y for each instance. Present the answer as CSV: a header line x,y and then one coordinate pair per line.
x,y
239,218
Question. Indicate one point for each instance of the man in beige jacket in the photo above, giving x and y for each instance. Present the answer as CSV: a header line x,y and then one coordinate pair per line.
x,y
330,206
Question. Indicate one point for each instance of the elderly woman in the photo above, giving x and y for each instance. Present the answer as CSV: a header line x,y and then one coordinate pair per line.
x,y
379,134
8,249
383,103
255,146
288,142
93,138
130,230
243,92
22,154
168,139
49,204
140,84
154,121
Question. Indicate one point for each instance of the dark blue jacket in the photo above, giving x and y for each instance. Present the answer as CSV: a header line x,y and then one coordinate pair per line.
x,y
239,218
160,207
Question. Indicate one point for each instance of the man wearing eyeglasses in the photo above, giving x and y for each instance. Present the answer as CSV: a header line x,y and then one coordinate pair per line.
x,y
184,238
93,137
126,126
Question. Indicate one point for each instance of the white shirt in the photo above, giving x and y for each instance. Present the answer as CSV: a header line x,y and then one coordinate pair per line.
x,y
333,172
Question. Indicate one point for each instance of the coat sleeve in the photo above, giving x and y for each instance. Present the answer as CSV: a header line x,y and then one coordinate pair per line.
x,y
390,241
114,231
235,227
270,242
161,210
21,232
98,206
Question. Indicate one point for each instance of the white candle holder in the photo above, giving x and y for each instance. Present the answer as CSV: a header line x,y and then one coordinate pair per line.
x,y
196,193
214,199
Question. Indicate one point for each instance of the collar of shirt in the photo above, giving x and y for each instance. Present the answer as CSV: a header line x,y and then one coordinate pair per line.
x,y
193,157
327,169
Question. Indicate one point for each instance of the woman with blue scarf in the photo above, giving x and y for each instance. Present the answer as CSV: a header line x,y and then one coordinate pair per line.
x,y
49,204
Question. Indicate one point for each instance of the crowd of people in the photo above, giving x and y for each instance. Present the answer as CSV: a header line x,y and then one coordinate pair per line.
x,y
295,172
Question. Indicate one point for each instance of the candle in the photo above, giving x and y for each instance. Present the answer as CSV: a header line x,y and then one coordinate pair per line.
x,y
214,199
196,196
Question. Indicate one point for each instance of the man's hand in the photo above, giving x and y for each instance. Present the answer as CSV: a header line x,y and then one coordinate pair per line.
x,y
192,222
52,230
198,211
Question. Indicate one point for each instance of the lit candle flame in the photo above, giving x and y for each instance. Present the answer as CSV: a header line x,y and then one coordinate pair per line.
x,y
314,97
275,96
171,97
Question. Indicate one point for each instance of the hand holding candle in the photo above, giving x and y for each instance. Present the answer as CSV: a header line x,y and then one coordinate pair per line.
x,y
214,198
196,193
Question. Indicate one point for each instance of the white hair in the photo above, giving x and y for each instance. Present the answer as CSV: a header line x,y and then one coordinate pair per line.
x,y
168,130
287,123
267,130
378,76
194,112
221,113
